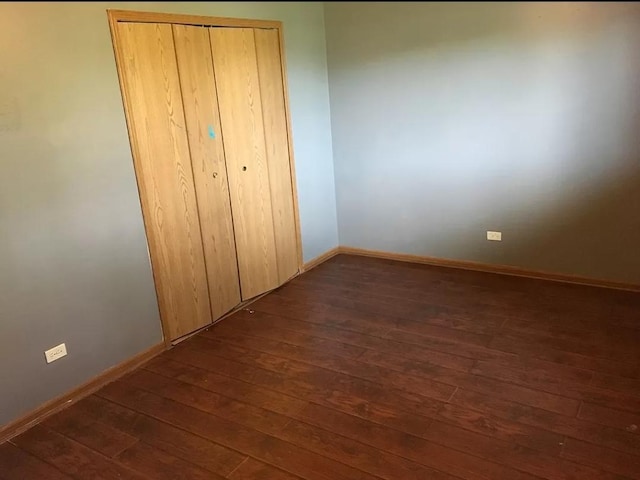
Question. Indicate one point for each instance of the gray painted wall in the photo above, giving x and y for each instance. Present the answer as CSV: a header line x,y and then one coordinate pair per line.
x,y
452,119
74,266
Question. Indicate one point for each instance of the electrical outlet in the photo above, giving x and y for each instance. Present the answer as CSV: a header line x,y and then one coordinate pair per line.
x,y
56,353
494,236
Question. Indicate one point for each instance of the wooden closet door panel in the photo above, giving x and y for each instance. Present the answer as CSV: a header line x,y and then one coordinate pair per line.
x,y
198,85
278,155
163,171
238,86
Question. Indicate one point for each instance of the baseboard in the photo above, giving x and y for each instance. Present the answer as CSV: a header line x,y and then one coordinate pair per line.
x,y
320,259
485,267
55,405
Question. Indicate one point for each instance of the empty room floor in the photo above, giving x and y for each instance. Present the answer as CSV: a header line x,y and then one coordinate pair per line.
x,y
367,369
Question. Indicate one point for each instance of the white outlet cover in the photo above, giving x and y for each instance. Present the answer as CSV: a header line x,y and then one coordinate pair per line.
x,y
56,353
494,236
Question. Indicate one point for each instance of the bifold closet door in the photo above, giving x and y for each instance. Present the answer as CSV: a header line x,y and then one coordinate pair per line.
x,y
149,74
278,157
198,85
252,113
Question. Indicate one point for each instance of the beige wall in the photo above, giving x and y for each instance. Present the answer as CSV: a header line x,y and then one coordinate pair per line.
x,y
451,119
74,266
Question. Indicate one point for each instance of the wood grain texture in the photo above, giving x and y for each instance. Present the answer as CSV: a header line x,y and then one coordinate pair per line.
x,y
16,464
266,448
147,65
323,380
162,465
185,445
254,470
627,421
596,456
278,154
71,457
296,206
94,434
238,87
197,82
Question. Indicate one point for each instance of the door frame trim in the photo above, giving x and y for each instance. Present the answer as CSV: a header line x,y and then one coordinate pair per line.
x,y
185,19
126,16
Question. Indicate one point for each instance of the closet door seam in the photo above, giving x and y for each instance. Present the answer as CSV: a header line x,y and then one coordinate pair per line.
x,y
226,168
266,160
186,131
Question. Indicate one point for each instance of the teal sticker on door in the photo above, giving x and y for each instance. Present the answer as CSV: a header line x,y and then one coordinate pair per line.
x,y
212,134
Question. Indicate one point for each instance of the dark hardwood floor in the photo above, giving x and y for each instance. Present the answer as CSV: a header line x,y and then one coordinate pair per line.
x,y
369,369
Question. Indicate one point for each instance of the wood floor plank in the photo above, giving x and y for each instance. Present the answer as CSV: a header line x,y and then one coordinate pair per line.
x,y
326,359
561,424
277,303
519,344
580,297
355,393
243,413
501,387
304,341
16,464
476,421
409,393
447,309
230,387
475,352
203,380
629,386
436,286
367,368
300,384
375,461
617,350
266,448
515,297
586,330
405,317
416,303
599,457
430,454
161,465
520,458
602,415
273,326
270,397
549,383
237,350
189,447
510,431
75,424
544,369
253,469
354,401
71,457
530,299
